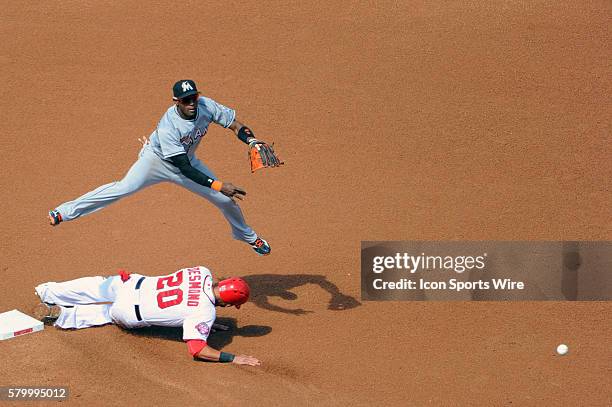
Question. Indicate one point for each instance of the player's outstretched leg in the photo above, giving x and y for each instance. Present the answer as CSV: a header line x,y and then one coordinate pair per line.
x,y
231,211
74,304
74,317
145,172
85,290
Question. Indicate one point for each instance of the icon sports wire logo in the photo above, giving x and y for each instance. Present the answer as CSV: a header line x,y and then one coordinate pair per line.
x,y
485,270
405,261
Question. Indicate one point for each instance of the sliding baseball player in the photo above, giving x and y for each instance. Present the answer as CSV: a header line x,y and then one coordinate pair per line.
x,y
186,298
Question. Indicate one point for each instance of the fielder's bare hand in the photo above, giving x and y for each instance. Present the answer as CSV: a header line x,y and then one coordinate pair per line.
x,y
232,191
246,360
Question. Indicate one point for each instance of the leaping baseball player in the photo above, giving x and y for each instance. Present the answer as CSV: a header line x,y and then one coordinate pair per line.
x,y
169,156
186,298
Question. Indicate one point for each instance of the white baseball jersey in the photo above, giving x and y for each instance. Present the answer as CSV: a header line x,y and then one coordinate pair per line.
x,y
184,298
175,135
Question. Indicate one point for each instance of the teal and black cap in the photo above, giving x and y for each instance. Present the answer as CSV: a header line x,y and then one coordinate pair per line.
x,y
184,88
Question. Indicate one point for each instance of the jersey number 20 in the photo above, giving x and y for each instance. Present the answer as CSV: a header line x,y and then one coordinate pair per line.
x,y
173,296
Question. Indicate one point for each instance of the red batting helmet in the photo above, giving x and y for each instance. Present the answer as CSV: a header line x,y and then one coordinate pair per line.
x,y
234,290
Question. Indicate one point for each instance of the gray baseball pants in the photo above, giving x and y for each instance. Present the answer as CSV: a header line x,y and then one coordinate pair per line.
x,y
148,170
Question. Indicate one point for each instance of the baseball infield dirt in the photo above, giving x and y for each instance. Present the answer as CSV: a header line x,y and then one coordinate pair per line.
x,y
413,121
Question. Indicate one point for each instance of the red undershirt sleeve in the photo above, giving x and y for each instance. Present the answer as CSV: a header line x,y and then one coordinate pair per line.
x,y
195,346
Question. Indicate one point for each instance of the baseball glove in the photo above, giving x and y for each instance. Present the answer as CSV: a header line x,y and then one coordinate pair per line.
x,y
262,155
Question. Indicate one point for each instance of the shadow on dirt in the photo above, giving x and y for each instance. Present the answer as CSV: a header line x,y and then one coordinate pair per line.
x,y
265,286
217,339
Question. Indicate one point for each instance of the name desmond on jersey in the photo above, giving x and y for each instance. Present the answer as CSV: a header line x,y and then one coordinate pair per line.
x,y
195,287
192,137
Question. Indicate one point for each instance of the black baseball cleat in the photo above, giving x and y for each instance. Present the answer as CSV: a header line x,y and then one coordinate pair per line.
x,y
261,247
55,218
47,313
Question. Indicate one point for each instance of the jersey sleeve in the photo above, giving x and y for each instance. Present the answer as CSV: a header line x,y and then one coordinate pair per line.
x,y
169,138
198,327
222,115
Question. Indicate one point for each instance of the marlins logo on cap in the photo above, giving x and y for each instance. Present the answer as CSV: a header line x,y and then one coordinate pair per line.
x,y
184,88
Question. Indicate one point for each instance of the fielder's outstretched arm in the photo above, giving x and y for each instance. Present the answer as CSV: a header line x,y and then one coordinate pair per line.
x,y
181,162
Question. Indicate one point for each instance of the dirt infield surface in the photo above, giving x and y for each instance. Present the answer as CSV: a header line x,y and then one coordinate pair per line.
x,y
420,120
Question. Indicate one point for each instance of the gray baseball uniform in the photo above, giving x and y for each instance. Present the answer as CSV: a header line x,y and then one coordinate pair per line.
x,y
173,136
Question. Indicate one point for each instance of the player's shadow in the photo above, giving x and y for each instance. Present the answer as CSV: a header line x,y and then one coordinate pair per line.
x,y
263,287
218,339
266,286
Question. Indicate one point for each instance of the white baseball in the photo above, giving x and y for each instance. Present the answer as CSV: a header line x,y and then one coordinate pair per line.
x,y
562,349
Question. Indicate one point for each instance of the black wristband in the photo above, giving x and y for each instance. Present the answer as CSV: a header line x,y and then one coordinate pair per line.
x,y
244,133
226,357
